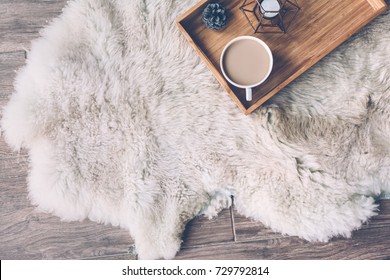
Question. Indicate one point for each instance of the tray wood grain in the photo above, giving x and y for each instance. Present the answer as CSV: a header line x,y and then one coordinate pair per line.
x,y
319,27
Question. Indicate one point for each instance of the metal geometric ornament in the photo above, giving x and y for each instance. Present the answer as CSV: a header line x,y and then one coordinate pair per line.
x,y
270,16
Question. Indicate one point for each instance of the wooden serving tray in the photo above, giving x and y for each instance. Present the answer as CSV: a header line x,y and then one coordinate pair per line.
x,y
318,28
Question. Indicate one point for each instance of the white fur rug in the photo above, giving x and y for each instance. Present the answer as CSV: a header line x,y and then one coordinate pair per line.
x,y
125,125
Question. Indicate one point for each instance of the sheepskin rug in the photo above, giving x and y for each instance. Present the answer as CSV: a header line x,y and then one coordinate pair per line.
x,y
125,125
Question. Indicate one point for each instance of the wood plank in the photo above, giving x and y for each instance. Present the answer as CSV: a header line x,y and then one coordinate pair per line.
x,y
124,257
201,231
9,63
370,242
377,5
249,230
20,21
13,175
30,235
292,248
320,26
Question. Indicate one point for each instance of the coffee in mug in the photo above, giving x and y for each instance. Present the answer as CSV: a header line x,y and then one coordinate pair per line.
x,y
246,62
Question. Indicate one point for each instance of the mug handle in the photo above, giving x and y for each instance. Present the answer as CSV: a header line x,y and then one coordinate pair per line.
x,y
248,94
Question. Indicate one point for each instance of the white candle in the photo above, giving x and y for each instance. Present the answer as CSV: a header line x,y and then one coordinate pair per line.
x,y
270,8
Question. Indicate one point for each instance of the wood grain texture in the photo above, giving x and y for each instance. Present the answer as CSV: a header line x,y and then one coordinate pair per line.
x,y
13,176
40,236
377,5
26,233
9,63
198,232
128,257
249,230
370,242
319,27
20,21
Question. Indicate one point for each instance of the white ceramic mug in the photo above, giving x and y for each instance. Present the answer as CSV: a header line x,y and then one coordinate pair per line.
x,y
248,88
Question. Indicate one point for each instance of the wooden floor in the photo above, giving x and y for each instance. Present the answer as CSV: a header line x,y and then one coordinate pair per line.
x,y
27,234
